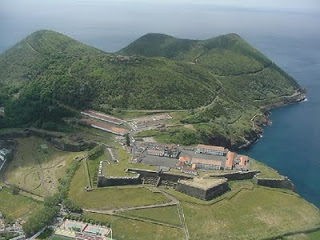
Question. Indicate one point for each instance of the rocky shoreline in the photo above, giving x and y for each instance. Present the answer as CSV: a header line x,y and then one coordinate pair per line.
x,y
265,121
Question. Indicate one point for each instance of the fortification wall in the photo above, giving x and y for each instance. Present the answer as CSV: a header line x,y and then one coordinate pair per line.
x,y
191,191
118,181
275,182
201,193
165,177
237,175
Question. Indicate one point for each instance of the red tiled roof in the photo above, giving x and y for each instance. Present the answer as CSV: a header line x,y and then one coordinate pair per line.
x,y
243,160
217,148
102,116
230,158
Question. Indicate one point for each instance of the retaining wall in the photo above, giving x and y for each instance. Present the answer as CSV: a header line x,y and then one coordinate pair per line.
x,y
201,193
237,175
118,181
275,182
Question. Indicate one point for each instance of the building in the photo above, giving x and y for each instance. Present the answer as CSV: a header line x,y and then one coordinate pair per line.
x,y
229,161
105,127
198,163
155,152
208,149
204,189
163,150
102,117
242,163
183,161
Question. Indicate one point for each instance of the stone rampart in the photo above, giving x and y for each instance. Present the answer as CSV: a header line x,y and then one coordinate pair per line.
x,y
118,181
165,177
203,194
284,182
236,175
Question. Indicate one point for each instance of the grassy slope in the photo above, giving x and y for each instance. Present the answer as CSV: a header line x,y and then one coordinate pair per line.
x,y
131,230
164,214
25,169
109,198
16,206
225,74
251,213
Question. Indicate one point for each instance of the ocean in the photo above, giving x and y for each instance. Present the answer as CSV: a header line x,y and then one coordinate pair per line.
x,y
287,35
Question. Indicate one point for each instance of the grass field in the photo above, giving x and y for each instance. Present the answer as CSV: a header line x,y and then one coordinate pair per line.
x,y
37,166
251,214
132,230
163,214
113,197
16,206
56,237
266,172
308,236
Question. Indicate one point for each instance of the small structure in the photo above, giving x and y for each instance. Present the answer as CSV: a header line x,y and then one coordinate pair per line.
x,y
242,163
204,189
208,149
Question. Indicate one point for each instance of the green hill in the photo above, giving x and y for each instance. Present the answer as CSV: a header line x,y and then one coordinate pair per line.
x,y
223,82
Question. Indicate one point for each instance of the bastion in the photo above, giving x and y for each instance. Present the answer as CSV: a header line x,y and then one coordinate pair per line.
x,y
204,189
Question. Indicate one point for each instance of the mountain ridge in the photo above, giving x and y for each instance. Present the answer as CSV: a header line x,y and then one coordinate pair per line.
x,y
221,82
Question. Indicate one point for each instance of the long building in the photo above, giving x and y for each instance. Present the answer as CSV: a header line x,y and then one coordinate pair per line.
x,y
105,127
229,162
198,163
208,149
102,117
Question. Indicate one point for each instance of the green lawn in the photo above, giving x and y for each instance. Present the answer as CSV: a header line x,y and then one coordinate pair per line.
x,y
128,229
38,169
16,206
163,214
251,214
266,172
307,236
56,237
112,197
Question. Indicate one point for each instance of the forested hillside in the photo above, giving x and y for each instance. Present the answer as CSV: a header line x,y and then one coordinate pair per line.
x,y
222,82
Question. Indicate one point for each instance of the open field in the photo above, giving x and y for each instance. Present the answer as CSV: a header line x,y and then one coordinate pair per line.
x,y
132,230
266,172
16,206
37,166
167,215
251,214
308,236
112,197
56,237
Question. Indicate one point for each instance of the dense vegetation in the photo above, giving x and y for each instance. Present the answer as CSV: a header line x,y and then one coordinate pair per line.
x,y
223,80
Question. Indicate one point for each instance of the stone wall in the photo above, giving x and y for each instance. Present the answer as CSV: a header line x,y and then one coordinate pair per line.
x,y
275,182
118,181
165,177
201,193
237,175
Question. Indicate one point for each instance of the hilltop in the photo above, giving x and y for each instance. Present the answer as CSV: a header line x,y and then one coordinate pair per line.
x,y
218,89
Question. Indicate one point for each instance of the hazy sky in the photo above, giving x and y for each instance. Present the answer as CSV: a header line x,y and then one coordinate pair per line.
x,y
112,24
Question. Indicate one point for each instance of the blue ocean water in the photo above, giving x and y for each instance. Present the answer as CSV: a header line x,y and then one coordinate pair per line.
x,y
292,143
287,33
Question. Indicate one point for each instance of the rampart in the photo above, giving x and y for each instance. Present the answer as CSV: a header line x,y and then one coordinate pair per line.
x,y
236,175
284,182
118,181
205,192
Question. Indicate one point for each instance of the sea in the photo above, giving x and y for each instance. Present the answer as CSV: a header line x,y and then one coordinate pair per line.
x,y
287,35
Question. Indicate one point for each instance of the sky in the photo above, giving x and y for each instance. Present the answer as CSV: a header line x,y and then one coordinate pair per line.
x,y
112,24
